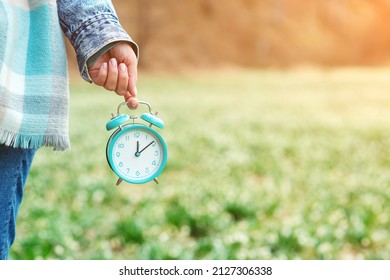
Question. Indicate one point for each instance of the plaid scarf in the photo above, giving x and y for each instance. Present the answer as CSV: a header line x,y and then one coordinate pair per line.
x,y
33,76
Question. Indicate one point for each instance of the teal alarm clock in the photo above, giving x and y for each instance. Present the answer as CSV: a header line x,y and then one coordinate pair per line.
x,y
136,152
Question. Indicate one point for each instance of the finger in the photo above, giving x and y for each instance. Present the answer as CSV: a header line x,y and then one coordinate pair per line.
x,y
101,77
133,77
123,79
132,102
112,78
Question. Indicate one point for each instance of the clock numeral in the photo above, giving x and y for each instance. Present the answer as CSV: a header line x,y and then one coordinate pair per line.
x,y
120,164
156,153
127,138
128,170
154,144
118,154
137,173
121,146
154,162
146,170
136,134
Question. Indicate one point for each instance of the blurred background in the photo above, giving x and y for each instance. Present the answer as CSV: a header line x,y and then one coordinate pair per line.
x,y
251,33
278,129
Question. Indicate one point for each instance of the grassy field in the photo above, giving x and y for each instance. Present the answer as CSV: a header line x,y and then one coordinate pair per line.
x,y
262,165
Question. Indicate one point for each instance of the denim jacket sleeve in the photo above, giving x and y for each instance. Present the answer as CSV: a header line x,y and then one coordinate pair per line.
x,y
92,27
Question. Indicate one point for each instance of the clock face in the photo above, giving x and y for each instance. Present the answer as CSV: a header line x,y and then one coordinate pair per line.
x,y
137,153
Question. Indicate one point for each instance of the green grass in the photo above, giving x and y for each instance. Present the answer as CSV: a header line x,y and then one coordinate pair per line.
x,y
262,165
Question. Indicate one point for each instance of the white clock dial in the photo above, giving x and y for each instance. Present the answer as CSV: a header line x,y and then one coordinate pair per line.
x,y
137,154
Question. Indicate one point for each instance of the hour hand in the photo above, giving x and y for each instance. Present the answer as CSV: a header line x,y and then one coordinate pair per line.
x,y
137,153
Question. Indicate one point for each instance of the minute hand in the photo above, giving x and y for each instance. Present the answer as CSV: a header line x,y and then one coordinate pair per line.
x,y
146,146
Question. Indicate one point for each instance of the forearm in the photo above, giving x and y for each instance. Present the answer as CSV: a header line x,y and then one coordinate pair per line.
x,y
92,28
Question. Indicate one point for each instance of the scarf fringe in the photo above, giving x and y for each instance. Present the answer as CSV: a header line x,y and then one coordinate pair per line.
x,y
58,142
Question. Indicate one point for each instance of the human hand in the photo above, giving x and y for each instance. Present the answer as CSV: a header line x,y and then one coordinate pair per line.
x,y
116,70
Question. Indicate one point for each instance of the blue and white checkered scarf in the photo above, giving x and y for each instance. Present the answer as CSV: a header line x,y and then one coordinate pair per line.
x,y
33,76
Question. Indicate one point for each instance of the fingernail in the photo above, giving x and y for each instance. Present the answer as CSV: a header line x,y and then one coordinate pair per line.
x,y
122,67
104,65
113,62
134,103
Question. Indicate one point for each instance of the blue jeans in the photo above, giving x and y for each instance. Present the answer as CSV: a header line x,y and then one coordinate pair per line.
x,y
14,167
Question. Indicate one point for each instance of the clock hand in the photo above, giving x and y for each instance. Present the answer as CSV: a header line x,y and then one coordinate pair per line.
x,y
146,147
137,153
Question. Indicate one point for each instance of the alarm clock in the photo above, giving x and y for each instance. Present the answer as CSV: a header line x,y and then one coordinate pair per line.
x,y
136,152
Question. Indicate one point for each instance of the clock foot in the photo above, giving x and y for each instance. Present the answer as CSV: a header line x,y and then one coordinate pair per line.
x,y
119,181
156,180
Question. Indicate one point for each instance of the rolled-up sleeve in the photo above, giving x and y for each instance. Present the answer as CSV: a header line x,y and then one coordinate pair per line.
x,y
92,27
